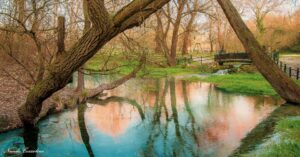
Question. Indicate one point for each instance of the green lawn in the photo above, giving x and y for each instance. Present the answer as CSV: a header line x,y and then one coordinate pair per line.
x,y
285,141
276,136
124,66
246,83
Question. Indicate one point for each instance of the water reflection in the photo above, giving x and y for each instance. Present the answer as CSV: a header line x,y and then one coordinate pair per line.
x,y
83,130
174,118
30,136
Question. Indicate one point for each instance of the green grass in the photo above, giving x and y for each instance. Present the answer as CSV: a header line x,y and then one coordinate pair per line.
x,y
150,71
155,72
94,63
285,141
193,68
245,83
274,136
193,79
290,127
98,60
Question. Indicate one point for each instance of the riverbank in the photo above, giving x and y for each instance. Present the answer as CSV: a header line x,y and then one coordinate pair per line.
x,y
250,83
284,124
243,80
245,83
12,95
277,135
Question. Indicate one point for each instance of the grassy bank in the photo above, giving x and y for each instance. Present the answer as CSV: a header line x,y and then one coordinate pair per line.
x,y
278,135
123,66
246,83
284,142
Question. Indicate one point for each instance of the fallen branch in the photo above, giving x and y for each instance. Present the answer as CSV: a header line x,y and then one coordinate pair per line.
x,y
98,90
69,97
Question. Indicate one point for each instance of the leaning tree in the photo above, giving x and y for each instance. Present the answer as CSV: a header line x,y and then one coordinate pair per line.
x,y
104,28
283,85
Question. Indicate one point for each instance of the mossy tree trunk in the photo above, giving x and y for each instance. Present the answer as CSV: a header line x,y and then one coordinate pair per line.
x,y
283,85
104,28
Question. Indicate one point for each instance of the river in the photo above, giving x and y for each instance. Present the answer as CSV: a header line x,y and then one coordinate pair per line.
x,y
147,117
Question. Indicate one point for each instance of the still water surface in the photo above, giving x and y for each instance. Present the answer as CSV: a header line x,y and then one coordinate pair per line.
x,y
166,117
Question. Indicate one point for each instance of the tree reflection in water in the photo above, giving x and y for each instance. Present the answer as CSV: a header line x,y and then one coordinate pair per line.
x,y
83,130
185,139
177,118
30,136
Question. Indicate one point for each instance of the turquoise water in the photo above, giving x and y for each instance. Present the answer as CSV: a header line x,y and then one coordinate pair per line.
x,y
163,118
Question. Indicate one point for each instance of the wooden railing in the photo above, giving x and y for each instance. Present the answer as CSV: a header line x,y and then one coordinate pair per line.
x,y
292,72
232,57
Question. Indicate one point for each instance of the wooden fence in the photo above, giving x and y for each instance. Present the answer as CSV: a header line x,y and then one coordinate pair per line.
x,y
292,72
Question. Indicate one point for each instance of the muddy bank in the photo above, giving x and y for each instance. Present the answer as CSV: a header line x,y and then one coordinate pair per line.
x,y
265,129
12,95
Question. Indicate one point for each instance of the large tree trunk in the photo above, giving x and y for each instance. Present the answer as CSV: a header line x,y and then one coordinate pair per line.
x,y
104,29
284,86
174,41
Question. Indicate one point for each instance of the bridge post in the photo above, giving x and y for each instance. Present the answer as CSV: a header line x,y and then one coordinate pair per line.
x,y
290,71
